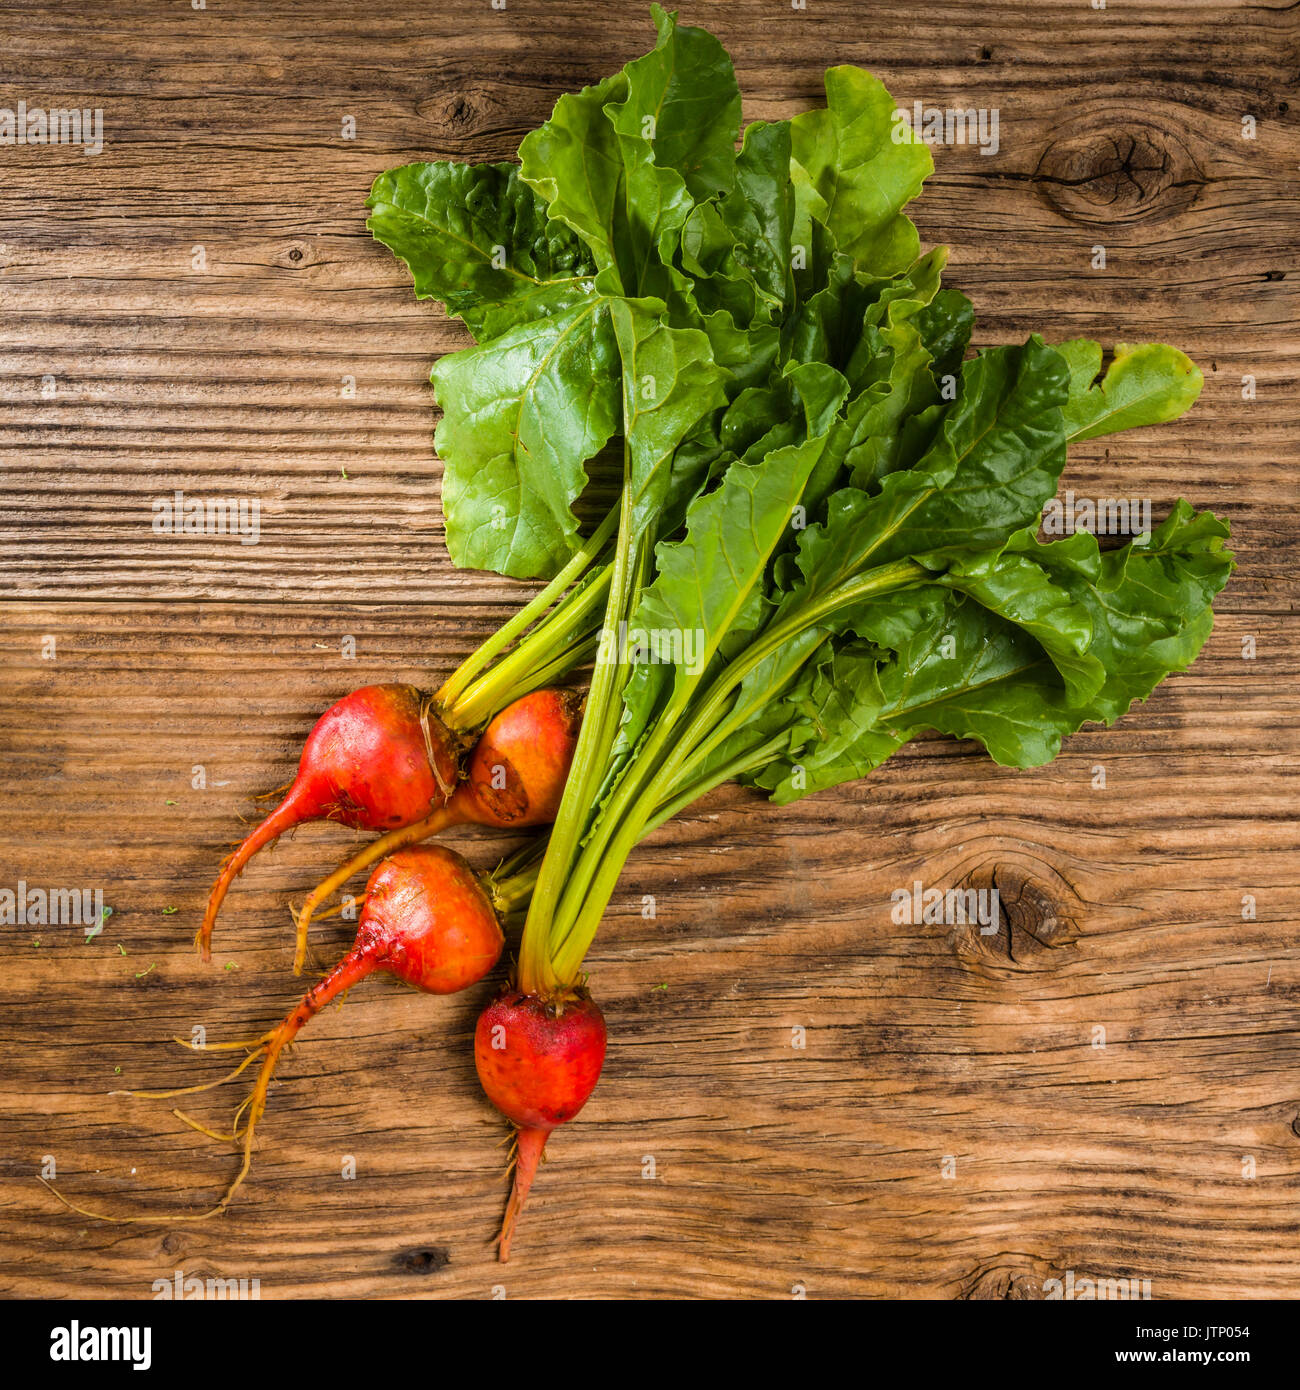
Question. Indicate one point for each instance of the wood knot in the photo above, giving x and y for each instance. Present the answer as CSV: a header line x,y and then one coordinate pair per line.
x,y
457,112
482,120
427,1259
1033,912
1007,1277
1102,174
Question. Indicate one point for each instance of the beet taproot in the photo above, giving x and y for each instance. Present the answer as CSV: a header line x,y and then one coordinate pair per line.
x,y
428,918
538,1061
378,759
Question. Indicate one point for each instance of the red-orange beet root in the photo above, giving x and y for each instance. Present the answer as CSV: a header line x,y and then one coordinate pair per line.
x,y
515,777
538,1061
428,919
378,759
517,771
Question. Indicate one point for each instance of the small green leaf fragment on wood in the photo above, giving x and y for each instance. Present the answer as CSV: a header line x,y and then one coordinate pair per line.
x,y
121,950
140,974
230,965
1145,384
99,926
168,911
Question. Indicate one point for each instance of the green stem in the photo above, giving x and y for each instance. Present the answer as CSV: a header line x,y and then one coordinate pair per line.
x,y
459,682
742,763
634,781
624,819
512,893
882,579
565,630
590,756
750,761
742,711
513,882
576,654
525,857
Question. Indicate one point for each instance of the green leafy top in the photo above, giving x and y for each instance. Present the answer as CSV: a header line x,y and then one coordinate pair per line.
x,y
631,205
829,506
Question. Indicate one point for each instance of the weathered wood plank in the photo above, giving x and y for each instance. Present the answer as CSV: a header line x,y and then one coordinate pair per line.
x,y
227,381
775,1165
1122,907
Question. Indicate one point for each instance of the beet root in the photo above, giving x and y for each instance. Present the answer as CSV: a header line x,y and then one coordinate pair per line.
x,y
378,759
538,1060
516,774
429,919
514,778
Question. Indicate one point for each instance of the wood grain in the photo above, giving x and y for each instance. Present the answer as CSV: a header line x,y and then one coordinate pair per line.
x,y
774,1166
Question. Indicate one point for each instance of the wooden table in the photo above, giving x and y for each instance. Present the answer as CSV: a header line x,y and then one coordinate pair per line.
x,y
952,1127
